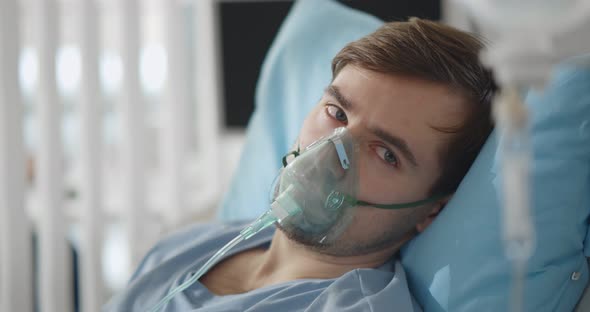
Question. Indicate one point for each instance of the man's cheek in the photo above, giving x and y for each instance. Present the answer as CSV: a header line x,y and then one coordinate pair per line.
x,y
367,220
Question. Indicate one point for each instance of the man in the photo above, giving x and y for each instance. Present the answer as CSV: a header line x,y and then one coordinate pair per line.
x,y
418,97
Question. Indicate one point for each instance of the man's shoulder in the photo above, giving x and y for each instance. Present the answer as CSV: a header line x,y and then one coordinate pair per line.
x,y
194,239
196,235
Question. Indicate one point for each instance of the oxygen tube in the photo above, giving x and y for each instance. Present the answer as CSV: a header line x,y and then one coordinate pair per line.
x,y
281,209
283,206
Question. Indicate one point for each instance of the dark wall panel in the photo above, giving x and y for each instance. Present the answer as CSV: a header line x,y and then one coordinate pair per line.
x,y
248,28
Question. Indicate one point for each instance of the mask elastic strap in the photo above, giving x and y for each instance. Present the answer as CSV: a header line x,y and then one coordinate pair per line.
x,y
402,205
294,153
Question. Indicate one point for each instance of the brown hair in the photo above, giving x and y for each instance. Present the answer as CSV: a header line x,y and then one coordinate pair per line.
x,y
434,52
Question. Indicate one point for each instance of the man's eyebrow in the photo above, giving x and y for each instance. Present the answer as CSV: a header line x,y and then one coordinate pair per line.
x,y
397,142
335,92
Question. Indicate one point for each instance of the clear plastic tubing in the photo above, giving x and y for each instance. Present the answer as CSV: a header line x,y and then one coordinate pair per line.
x,y
261,223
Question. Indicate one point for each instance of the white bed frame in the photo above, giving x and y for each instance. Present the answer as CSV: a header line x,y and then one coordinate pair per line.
x,y
146,187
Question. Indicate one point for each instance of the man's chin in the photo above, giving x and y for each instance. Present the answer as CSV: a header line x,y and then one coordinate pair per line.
x,y
340,247
299,237
315,243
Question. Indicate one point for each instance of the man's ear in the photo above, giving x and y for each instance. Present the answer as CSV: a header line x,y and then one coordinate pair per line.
x,y
436,209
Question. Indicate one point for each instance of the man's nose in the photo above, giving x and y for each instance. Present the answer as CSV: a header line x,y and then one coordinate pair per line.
x,y
355,130
361,158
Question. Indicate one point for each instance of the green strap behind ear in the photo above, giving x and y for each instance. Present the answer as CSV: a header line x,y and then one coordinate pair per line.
x,y
432,199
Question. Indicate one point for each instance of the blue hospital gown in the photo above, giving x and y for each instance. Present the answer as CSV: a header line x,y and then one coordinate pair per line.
x,y
172,261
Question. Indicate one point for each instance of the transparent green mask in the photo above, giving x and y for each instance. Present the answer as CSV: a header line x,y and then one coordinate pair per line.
x,y
315,193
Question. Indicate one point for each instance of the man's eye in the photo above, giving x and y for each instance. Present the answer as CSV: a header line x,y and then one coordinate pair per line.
x,y
387,155
336,113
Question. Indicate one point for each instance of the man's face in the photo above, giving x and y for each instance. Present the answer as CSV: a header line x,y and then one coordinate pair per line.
x,y
395,119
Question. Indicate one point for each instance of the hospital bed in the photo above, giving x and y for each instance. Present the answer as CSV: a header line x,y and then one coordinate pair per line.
x,y
456,265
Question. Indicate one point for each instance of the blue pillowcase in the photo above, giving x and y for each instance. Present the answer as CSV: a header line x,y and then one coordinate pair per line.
x,y
458,263
294,75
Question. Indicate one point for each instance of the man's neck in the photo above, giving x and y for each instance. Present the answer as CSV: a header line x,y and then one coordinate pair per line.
x,y
287,260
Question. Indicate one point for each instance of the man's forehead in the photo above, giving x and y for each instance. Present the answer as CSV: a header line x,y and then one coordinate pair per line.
x,y
414,98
